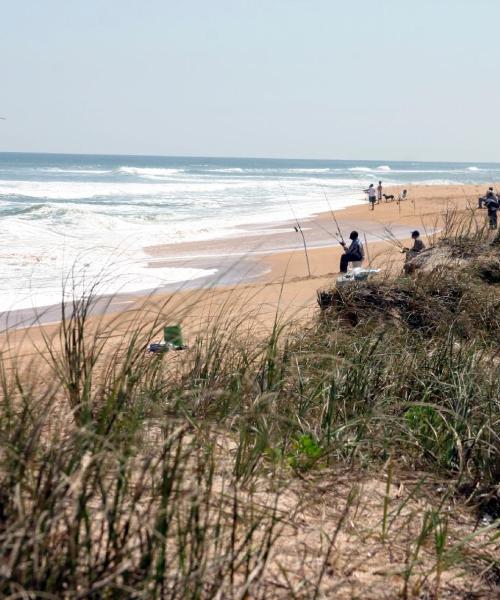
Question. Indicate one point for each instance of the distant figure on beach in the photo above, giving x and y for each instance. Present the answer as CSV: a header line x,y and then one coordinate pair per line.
x,y
403,195
418,246
490,194
354,253
492,205
379,192
372,195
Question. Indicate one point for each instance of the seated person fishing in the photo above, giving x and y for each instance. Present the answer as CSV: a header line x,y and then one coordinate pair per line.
x,y
354,253
418,246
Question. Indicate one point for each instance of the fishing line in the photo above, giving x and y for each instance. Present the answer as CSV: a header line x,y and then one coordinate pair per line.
x,y
333,215
298,229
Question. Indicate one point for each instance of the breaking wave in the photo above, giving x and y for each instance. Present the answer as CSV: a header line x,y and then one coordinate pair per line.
x,y
149,171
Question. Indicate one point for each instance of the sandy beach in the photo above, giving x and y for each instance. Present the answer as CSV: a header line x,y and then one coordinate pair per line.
x,y
201,398
260,277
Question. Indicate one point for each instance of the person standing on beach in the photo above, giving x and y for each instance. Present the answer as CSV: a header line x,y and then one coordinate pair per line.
x,y
354,253
379,192
372,195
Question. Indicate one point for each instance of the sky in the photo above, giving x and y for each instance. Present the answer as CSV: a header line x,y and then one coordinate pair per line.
x,y
331,79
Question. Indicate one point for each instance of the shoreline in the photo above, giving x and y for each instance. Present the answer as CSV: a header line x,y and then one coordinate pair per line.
x,y
277,256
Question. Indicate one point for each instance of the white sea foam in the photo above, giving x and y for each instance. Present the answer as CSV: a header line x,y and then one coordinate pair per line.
x,y
43,284
149,171
473,169
71,190
73,171
444,182
266,171
381,168
326,170
337,182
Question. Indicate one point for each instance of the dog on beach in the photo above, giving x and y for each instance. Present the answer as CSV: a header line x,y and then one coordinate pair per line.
x,y
388,197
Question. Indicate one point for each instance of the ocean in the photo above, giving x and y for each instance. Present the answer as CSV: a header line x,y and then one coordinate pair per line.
x,y
67,221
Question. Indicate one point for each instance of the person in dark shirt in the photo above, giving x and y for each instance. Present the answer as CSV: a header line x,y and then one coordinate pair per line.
x,y
418,245
492,206
484,199
354,253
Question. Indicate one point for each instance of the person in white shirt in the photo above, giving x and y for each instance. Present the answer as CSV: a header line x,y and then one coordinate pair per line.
x,y
403,195
372,195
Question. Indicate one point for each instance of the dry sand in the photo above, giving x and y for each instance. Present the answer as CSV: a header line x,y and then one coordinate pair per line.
x,y
265,275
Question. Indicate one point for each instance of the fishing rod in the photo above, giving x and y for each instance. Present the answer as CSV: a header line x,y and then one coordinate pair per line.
x,y
367,252
327,231
298,229
334,217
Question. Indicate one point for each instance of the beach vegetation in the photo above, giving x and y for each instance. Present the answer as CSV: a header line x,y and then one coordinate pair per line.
x,y
357,455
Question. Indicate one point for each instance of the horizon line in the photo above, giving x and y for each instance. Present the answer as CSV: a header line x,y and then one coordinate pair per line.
x,y
191,156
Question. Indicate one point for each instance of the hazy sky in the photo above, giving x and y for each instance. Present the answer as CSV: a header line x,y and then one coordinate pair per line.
x,y
393,79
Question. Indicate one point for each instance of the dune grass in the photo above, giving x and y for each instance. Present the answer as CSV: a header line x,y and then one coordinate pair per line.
x,y
186,475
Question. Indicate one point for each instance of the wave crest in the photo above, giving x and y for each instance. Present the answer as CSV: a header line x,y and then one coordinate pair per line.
x,y
149,171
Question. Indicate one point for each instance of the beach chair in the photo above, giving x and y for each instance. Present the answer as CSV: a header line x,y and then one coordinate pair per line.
x,y
172,340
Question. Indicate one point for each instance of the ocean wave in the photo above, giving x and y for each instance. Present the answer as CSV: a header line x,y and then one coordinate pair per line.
x,y
323,170
383,168
349,184
85,190
149,171
230,170
266,171
13,210
73,171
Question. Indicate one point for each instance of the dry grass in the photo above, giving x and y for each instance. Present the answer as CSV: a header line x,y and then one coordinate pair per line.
x,y
357,457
